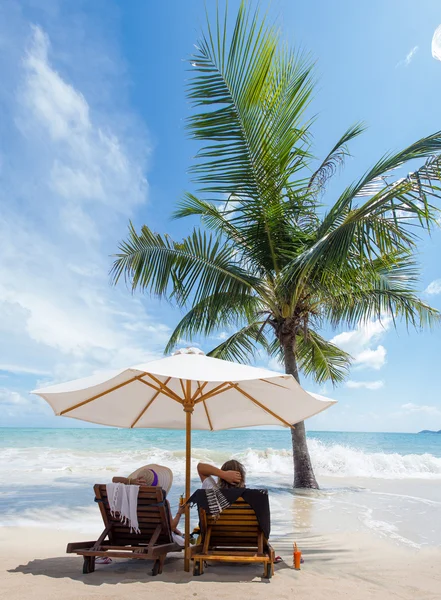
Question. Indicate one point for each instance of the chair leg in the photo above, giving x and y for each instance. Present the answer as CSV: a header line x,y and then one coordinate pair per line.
x,y
268,572
196,567
156,567
88,564
161,563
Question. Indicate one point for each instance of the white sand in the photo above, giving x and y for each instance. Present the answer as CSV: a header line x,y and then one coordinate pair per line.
x,y
337,566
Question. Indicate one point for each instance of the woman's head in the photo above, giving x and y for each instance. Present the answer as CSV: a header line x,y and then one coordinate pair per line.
x,y
154,475
233,465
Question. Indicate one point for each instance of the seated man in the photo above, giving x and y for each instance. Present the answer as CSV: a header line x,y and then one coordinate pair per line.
x,y
231,474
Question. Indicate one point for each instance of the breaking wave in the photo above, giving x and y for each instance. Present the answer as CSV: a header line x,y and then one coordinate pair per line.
x,y
39,465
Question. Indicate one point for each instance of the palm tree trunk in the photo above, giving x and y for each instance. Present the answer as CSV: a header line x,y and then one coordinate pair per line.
x,y
303,472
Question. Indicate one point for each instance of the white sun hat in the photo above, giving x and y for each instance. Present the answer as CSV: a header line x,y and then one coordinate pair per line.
x,y
155,475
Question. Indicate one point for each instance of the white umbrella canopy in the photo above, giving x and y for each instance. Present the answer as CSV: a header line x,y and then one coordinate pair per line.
x,y
223,395
186,391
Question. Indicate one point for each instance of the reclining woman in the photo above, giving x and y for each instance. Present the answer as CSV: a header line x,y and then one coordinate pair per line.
x,y
231,474
154,475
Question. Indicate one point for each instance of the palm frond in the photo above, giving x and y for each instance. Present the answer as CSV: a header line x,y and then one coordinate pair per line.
x,y
316,357
226,84
220,310
215,217
388,286
333,160
251,100
321,359
243,344
195,268
379,226
251,97
386,195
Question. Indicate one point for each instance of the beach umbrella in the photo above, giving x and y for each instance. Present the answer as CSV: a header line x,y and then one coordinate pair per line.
x,y
187,390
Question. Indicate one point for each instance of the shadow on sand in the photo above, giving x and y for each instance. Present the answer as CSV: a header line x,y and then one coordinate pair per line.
x,y
130,571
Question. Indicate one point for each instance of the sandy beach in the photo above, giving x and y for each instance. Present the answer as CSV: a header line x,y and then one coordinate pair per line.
x,y
220,235
349,565
371,531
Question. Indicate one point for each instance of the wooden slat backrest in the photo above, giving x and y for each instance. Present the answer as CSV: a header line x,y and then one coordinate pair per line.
x,y
236,526
153,510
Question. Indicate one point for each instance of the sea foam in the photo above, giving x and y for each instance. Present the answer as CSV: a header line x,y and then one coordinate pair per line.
x,y
40,465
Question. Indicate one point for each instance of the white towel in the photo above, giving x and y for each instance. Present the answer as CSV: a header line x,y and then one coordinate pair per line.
x,y
123,499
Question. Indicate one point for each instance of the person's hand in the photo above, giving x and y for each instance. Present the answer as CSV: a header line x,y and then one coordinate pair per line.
x,y
139,481
181,509
232,477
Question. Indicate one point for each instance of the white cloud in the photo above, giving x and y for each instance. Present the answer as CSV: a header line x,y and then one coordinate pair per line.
x,y
13,404
436,43
373,359
275,365
411,408
409,57
73,172
22,370
91,164
434,287
10,397
359,341
369,385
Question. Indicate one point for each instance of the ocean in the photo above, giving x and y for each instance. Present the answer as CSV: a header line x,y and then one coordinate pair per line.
x,y
386,483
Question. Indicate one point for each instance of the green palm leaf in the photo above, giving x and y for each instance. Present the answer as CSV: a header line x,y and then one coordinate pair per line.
x,y
197,267
316,357
220,310
334,159
387,287
242,344
251,90
379,226
321,359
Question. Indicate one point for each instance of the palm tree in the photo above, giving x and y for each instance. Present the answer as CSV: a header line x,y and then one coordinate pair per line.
x,y
268,261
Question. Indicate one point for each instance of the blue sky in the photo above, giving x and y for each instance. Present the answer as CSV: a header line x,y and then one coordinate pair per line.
x,y
92,134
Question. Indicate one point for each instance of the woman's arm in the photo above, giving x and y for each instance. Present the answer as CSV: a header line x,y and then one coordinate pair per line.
x,y
127,481
205,470
175,522
121,480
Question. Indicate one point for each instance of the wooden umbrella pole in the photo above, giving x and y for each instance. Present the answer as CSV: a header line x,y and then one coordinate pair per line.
x,y
187,487
188,408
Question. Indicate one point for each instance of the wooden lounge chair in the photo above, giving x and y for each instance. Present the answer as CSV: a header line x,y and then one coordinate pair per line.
x,y
153,543
234,536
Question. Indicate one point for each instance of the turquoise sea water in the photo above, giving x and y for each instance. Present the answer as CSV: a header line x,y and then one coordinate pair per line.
x,y
235,441
385,482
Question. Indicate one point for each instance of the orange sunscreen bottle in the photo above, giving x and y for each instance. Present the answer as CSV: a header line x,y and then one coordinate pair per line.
x,y
297,555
